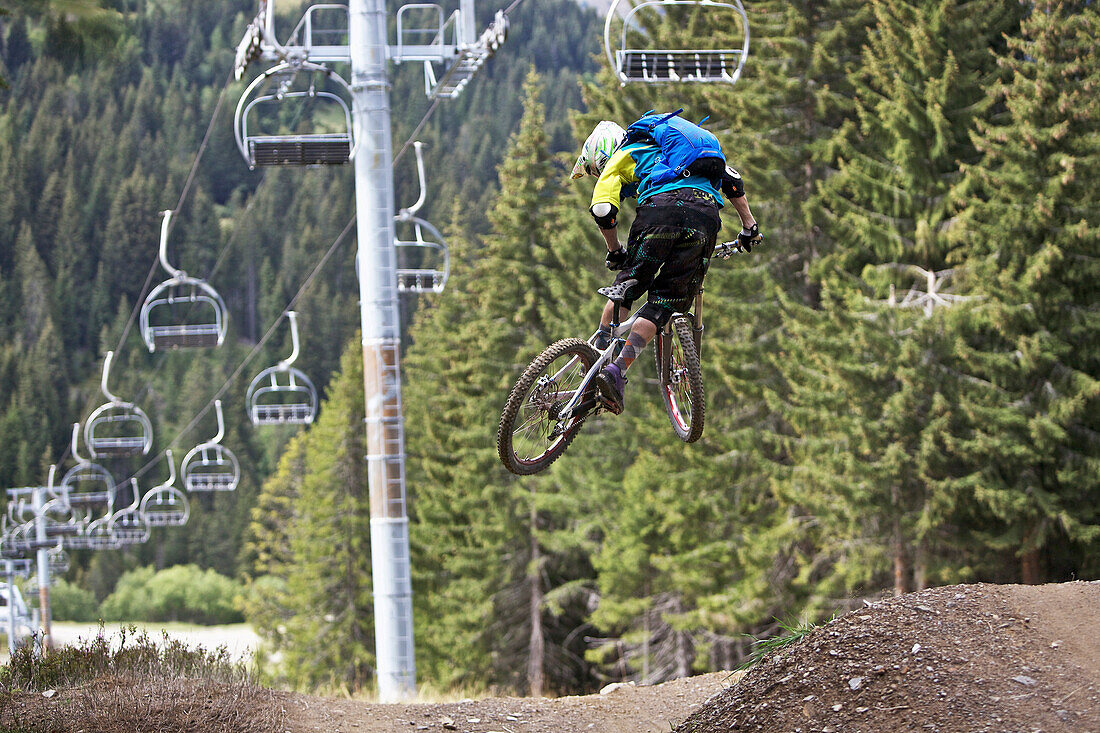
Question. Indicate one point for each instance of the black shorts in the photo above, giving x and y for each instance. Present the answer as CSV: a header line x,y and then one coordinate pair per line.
x,y
670,244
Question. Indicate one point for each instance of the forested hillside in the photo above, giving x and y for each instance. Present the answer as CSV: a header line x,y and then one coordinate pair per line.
x,y
901,382
103,120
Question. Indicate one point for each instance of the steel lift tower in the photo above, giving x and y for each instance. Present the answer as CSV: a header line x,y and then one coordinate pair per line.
x,y
451,54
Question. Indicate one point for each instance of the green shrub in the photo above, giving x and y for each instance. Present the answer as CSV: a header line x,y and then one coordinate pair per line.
x,y
179,593
70,602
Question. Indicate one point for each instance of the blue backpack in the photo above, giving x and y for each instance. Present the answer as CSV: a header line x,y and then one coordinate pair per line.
x,y
686,148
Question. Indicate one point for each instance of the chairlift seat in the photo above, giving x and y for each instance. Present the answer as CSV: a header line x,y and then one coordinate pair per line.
x,y
271,402
679,65
634,61
97,536
300,150
59,563
423,266
88,484
165,506
210,467
296,413
204,323
129,526
297,149
118,429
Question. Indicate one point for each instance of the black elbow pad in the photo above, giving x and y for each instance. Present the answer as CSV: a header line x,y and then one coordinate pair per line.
x,y
605,214
732,185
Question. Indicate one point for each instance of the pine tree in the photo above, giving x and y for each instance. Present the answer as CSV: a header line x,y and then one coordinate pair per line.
x,y
1028,345
496,586
323,549
886,211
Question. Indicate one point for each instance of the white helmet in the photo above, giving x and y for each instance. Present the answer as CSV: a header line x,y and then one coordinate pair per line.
x,y
597,149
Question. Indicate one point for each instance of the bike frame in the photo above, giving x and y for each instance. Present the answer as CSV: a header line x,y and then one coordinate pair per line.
x,y
619,331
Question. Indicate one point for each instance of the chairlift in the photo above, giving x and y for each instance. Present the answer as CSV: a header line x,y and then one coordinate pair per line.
x,y
97,535
58,516
59,563
117,428
635,59
129,525
292,401
23,538
210,466
182,311
7,550
87,484
165,505
423,266
293,149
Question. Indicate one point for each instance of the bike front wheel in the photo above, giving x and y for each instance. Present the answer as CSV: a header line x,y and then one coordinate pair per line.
x,y
681,379
530,436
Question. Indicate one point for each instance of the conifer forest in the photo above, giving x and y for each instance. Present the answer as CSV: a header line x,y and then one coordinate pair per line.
x,y
902,382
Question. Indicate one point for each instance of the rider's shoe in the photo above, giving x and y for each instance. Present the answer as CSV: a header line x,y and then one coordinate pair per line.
x,y
611,383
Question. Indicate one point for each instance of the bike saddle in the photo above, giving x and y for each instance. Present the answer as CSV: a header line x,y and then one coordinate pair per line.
x,y
617,293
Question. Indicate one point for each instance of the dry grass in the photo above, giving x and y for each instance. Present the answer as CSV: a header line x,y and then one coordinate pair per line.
x,y
133,686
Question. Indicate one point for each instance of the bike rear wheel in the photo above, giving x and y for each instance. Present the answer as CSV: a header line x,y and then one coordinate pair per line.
x,y
529,437
681,379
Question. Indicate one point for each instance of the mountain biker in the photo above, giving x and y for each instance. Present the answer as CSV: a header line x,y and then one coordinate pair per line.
x,y
669,245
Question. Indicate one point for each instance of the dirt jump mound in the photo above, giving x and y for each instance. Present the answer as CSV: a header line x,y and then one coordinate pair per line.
x,y
960,658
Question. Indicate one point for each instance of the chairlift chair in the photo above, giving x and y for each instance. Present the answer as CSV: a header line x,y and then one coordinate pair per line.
x,y
59,563
210,466
129,525
282,394
293,149
87,484
117,428
636,60
165,505
182,311
97,535
423,266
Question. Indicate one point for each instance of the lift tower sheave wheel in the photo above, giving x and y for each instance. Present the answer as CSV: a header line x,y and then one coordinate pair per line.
x,y
183,311
638,58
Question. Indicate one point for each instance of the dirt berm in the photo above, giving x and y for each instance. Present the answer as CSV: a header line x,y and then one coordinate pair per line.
x,y
997,659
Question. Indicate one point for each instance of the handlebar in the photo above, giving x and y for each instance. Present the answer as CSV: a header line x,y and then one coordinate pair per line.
x,y
727,249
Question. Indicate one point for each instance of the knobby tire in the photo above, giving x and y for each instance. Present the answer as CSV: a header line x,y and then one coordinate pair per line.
x,y
681,379
524,442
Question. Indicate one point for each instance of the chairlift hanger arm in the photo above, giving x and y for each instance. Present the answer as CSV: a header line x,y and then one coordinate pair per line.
x,y
285,364
164,226
103,381
221,423
407,214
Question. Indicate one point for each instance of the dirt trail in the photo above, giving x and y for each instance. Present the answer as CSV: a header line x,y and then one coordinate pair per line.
x,y
961,658
625,709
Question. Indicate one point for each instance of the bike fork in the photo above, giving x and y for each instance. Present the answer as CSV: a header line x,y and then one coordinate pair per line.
x,y
697,323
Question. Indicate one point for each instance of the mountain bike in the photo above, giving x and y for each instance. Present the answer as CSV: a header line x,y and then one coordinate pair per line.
x,y
556,393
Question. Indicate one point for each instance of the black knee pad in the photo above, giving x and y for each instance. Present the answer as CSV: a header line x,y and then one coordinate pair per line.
x,y
656,313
